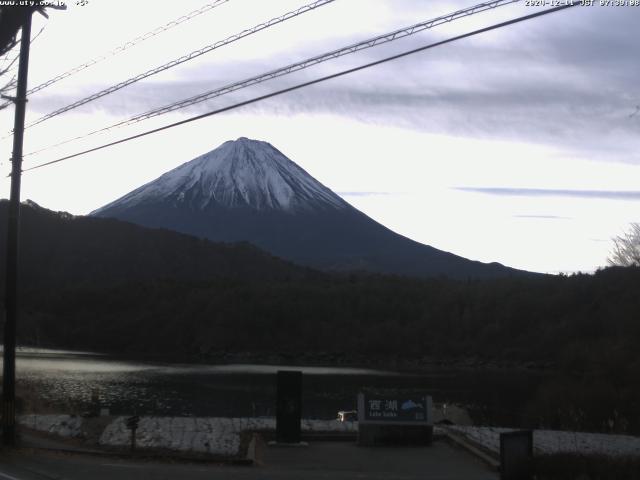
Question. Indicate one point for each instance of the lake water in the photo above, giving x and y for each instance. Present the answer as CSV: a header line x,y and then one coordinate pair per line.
x,y
56,381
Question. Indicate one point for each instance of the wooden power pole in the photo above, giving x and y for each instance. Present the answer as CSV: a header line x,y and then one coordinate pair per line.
x,y
11,279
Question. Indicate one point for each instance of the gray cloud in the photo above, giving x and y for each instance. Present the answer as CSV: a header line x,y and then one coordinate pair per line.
x,y
633,195
543,217
568,80
363,194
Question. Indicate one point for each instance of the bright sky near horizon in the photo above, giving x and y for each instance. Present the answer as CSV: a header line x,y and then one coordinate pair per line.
x,y
518,145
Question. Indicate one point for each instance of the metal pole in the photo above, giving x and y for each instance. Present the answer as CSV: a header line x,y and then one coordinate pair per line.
x,y
11,280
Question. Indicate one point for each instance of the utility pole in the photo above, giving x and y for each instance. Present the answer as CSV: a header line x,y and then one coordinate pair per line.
x,y
11,279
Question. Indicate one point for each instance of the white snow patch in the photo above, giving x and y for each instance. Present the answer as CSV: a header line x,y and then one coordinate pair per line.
x,y
215,435
201,435
63,425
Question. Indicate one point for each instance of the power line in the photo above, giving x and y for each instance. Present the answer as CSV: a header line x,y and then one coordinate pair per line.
x,y
309,83
185,58
129,44
381,39
365,44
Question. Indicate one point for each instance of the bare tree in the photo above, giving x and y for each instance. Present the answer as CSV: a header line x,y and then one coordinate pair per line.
x,y
8,78
626,248
11,20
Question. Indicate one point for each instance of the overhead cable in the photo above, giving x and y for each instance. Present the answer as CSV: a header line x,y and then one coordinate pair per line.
x,y
389,37
127,45
184,58
307,84
369,43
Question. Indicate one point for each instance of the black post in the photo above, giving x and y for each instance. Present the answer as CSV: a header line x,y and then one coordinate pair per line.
x,y
288,406
516,455
132,424
11,280
133,439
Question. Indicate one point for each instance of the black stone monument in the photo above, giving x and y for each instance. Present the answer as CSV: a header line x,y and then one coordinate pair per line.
x,y
289,406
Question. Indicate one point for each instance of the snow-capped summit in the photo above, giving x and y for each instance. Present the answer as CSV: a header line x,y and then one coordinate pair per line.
x,y
246,190
240,173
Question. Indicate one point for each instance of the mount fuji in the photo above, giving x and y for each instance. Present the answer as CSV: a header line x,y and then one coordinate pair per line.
x,y
247,190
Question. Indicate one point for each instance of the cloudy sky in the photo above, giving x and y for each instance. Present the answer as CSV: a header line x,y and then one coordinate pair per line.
x,y
519,145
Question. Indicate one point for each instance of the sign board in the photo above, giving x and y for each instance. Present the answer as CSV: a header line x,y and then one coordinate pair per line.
x,y
132,422
394,419
409,409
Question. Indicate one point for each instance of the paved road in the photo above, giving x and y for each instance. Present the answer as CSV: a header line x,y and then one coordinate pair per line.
x,y
320,460
339,460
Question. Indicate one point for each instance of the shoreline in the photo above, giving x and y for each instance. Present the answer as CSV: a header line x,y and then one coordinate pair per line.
x,y
388,364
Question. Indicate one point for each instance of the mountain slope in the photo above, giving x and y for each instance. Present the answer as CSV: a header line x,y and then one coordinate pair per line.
x,y
241,174
246,190
59,249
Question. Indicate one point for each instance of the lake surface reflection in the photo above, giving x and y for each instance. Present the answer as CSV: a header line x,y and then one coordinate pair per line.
x,y
55,381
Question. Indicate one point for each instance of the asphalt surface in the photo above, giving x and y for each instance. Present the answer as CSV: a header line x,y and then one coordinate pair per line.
x,y
320,460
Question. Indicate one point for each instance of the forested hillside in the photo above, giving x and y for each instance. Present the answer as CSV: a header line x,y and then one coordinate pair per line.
x,y
109,286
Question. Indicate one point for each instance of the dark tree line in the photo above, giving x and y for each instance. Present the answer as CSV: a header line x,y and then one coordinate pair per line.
x,y
559,320
585,328
104,285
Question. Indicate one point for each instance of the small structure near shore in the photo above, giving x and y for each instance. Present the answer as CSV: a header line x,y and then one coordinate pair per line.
x,y
398,420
